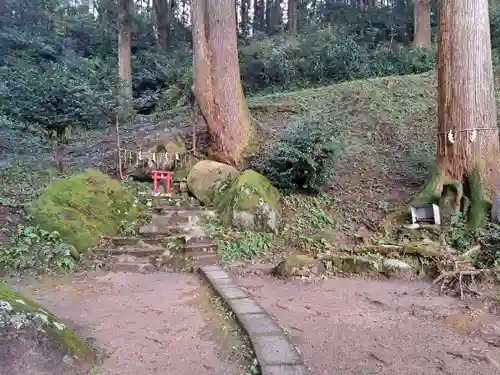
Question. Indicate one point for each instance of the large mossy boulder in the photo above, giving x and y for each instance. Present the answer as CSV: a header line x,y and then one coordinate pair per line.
x,y
250,202
84,206
207,178
158,155
34,341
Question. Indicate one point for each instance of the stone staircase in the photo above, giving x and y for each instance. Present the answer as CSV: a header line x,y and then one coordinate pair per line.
x,y
173,239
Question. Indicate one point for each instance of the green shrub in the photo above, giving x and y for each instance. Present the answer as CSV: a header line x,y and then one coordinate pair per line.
x,y
303,159
84,206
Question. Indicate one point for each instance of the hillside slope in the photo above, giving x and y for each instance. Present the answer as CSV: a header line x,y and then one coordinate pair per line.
x,y
390,127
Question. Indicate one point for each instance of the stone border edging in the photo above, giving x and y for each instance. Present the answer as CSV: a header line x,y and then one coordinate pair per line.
x,y
275,353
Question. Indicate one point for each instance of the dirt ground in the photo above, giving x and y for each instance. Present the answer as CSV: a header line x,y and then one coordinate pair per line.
x,y
354,327
148,324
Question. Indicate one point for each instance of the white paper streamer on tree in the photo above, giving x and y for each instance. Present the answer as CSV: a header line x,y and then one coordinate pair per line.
x,y
473,136
450,137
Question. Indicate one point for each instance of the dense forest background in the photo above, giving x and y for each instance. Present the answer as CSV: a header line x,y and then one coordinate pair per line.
x,y
59,63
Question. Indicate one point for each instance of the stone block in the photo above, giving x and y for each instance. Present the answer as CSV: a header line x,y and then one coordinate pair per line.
x,y
275,350
259,324
244,306
286,370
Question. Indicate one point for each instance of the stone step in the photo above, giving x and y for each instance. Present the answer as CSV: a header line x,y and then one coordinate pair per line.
x,y
152,230
205,258
136,252
195,246
149,241
132,266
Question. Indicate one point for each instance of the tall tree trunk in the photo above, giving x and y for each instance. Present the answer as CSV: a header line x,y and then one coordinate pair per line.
x,y
292,17
125,14
244,10
269,16
259,20
163,13
277,18
467,144
217,85
422,36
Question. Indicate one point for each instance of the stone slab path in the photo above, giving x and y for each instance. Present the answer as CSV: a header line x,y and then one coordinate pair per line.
x,y
148,323
354,327
276,354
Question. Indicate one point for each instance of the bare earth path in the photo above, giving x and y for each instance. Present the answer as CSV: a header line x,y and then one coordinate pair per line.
x,y
360,327
148,323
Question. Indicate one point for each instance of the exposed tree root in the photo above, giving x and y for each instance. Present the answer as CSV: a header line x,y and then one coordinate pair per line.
x,y
461,280
272,107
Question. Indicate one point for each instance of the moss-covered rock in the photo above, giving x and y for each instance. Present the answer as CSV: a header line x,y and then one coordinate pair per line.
x,y
289,265
181,173
250,202
84,206
360,265
209,177
34,341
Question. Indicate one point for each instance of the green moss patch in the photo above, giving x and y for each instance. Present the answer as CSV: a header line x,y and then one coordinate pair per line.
x,y
31,318
251,201
208,177
84,206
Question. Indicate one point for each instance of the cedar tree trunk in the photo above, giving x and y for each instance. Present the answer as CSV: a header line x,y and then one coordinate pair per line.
x,y
422,36
292,17
125,45
466,107
217,86
163,12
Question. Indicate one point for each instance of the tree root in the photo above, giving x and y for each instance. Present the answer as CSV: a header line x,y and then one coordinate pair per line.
x,y
461,280
272,107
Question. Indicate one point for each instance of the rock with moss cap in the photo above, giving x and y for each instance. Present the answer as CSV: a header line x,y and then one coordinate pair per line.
x,y
34,341
291,265
250,202
84,206
208,177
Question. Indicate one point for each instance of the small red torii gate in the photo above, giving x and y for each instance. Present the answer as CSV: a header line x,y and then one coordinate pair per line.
x,y
165,176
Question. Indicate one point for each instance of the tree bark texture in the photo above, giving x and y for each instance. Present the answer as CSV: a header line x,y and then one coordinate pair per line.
x,y
217,85
125,14
292,17
466,95
422,36
163,13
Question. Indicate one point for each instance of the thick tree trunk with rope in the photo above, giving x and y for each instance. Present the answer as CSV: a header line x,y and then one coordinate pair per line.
x,y
422,36
467,140
217,85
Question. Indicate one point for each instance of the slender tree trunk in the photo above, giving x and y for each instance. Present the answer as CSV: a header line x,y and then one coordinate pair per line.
x,y
217,85
163,13
467,144
244,24
422,36
125,12
292,17
269,16
259,21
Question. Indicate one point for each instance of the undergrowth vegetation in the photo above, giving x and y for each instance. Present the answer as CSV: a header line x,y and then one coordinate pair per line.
x,y
303,158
